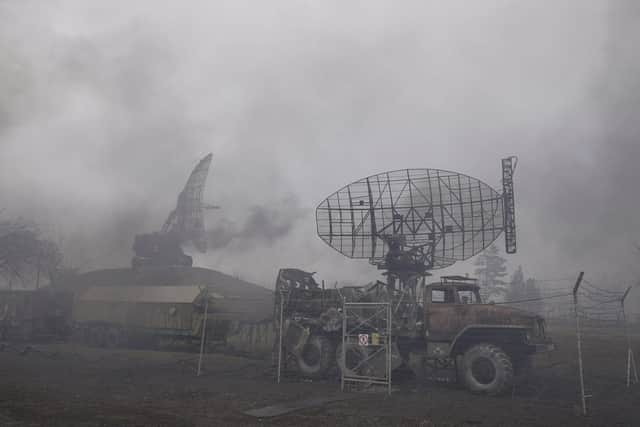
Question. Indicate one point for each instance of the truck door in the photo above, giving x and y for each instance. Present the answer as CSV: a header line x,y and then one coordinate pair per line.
x,y
445,314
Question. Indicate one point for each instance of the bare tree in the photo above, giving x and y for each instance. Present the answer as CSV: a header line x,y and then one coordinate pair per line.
x,y
23,250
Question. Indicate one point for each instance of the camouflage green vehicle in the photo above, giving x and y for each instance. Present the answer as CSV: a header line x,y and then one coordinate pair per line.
x,y
441,331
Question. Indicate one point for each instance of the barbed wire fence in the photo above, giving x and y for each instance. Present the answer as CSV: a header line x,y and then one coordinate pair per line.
x,y
601,330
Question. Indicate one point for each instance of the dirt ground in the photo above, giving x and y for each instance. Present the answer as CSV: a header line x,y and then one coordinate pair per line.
x,y
71,385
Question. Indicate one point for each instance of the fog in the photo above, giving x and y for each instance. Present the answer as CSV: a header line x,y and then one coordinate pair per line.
x,y
105,109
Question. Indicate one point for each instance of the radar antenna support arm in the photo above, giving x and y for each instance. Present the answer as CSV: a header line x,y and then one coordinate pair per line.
x,y
508,204
169,222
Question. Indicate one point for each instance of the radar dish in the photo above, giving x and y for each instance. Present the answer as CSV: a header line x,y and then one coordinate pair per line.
x,y
435,217
186,220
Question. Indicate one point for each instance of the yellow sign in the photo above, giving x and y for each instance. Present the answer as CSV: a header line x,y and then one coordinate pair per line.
x,y
375,339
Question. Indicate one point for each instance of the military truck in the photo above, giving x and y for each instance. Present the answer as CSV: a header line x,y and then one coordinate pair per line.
x,y
439,329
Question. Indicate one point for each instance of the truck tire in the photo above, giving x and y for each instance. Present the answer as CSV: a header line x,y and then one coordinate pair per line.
x,y
487,369
356,357
316,357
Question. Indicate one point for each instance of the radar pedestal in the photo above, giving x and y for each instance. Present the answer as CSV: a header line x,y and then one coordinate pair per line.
x,y
404,266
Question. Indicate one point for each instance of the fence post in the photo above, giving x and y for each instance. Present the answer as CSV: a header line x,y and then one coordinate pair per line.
x,y
281,320
631,362
389,347
204,329
343,356
579,339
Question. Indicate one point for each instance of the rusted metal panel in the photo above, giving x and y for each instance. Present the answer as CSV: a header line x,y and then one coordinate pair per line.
x,y
444,321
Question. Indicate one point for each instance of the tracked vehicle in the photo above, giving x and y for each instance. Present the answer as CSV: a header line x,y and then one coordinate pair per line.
x,y
409,223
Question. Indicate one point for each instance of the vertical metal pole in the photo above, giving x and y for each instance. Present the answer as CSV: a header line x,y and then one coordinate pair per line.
x,y
38,271
633,366
389,347
630,358
204,329
344,348
280,336
626,334
579,338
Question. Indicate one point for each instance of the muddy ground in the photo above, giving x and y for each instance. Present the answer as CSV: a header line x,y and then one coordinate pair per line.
x,y
71,385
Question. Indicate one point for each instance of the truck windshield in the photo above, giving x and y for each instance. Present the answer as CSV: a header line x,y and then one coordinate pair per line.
x,y
442,296
451,295
468,297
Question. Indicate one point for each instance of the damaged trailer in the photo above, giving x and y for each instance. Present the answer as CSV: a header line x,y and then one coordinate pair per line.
x,y
169,316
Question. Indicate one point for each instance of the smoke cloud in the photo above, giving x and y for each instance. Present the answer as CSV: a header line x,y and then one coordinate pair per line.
x,y
105,109
263,225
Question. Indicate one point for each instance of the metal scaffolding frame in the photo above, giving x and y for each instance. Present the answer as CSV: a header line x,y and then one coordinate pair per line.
x,y
366,325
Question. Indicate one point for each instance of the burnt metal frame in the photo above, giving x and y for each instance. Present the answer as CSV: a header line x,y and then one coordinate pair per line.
x,y
377,319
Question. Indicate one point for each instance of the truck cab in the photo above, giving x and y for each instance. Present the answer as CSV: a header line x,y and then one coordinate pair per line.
x,y
491,342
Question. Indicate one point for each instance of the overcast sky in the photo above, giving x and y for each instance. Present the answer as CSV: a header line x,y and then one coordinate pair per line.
x,y
105,109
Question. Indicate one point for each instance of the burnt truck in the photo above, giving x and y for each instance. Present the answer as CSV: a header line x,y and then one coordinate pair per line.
x,y
440,331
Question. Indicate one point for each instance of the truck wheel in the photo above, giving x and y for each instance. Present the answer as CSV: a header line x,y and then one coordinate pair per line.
x,y
487,369
355,360
315,358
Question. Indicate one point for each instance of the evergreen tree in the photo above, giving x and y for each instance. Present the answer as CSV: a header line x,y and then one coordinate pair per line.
x,y
517,286
524,290
491,269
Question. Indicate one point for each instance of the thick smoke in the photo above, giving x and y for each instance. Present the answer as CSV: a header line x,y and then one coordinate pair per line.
x,y
263,225
105,109
591,214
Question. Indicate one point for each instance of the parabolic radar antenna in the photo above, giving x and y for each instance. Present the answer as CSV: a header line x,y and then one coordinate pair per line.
x,y
410,221
187,219
183,225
